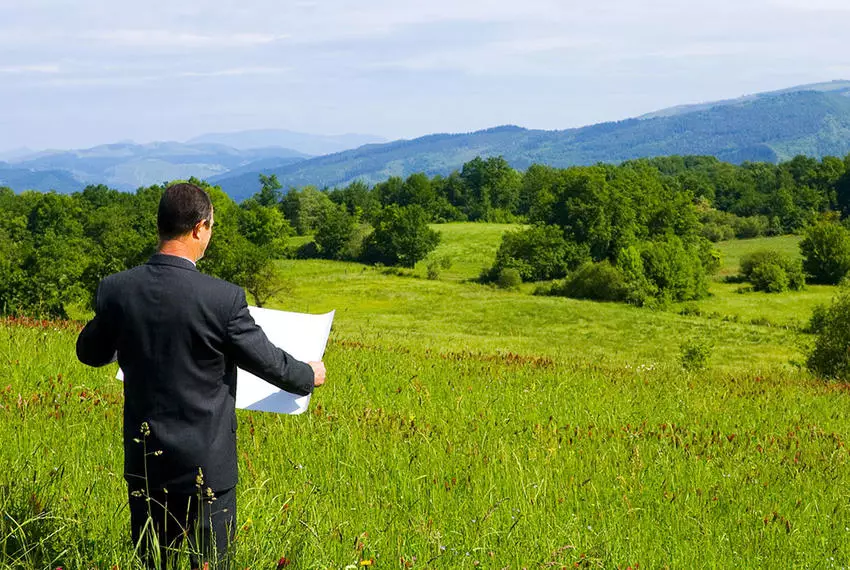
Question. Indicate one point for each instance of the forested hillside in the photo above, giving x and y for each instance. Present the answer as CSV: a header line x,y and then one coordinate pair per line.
x,y
648,223
769,129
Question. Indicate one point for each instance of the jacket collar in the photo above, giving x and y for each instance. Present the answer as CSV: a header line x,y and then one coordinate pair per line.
x,y
173,260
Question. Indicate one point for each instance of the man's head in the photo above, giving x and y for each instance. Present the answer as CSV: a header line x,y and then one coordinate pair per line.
x,y
185,219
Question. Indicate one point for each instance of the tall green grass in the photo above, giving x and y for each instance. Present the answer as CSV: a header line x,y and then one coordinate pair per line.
x,y
464,426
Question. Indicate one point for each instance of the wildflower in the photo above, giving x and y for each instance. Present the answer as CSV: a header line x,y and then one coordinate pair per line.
x,y
367,562
283,562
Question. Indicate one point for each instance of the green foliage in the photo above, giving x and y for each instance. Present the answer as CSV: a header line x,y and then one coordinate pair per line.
x,y
401,237
675,269
606,207
57,248
246,241
829,356
361,201
752,226
826,252
537,253
770,278
491,185
337,235
819,319
772,271
717,225
269,194
509,278
666,270
435,265
306,208
694,354
600,281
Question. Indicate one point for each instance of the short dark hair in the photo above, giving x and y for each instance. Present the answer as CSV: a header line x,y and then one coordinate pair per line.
x,y
181,207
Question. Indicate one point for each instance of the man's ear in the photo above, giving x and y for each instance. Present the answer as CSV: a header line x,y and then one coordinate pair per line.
x,y
196,231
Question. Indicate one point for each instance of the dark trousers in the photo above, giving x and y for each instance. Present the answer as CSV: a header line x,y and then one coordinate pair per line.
x,y
160,523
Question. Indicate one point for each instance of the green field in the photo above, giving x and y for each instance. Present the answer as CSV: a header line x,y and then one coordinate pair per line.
x,y
464,426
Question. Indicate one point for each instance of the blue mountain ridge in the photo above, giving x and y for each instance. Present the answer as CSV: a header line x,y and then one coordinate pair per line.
x,y
812,120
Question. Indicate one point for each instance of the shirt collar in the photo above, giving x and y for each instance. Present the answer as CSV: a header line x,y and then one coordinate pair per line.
x,y
175,260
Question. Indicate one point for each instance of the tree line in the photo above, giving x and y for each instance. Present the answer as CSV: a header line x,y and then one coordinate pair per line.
x,y
639,232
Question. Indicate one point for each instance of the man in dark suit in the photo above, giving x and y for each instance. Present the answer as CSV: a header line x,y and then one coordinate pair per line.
x,y
179,336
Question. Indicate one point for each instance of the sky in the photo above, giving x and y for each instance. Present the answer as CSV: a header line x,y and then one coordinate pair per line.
x,y
78,73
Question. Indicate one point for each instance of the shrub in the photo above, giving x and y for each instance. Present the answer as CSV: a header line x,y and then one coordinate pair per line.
x,y
830,355
716,232
694,354
717,225
309,250
817,322
826,252
770,278
435,264
751,227
673,271
599,281
509,278
690,310
401,237
773,272
537,253
335,233
306,208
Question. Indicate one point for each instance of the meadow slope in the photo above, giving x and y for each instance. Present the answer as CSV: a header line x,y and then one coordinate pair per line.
x,y
464,426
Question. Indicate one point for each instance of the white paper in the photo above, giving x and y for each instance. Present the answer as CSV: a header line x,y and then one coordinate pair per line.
x,y
302,335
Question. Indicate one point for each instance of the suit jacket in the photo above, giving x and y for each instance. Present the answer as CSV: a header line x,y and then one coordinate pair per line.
x,y
179,335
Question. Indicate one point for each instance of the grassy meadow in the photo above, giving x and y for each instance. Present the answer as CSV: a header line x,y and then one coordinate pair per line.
x,y
463,426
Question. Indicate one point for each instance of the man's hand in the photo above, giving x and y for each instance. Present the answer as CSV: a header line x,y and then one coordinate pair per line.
x,y
318,372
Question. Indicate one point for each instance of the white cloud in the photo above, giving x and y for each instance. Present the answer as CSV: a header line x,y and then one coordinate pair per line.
x,y
30,69
235,72
171,39
117,78
814,5
397,66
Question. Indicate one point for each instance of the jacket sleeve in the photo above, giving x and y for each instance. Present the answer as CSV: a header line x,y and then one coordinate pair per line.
x,y
96,343
254,352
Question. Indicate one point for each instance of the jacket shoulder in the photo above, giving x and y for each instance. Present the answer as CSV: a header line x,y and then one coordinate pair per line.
x,y
204,282
218,285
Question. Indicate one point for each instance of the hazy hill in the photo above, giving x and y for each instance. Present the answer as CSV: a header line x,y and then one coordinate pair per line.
x,y
15,154
813,120
126,166
302,142
20,179
838,86
769,127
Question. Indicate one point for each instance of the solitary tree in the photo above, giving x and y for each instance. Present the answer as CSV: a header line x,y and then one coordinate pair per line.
x,y
401,237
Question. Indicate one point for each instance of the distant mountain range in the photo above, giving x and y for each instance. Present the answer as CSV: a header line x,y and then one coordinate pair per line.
x,y
812,119
127,166
306,143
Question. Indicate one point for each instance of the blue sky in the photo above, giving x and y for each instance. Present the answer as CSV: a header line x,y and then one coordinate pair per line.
x,y
77,74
